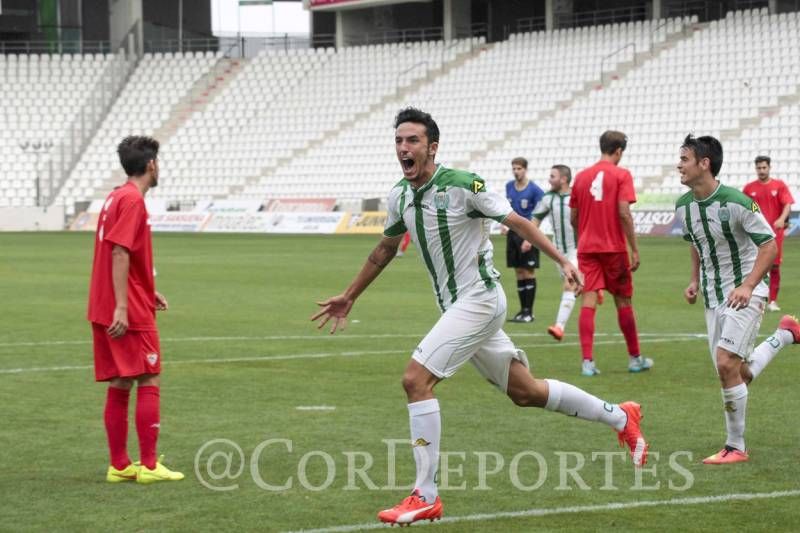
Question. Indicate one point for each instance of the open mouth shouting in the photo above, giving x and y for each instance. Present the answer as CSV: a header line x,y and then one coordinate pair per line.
x,y
409,167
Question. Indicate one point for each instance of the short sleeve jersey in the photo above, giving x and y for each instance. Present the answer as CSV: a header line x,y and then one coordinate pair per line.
x,y
123,221
525,201
449,219
596,194
726,229
771,197
556,206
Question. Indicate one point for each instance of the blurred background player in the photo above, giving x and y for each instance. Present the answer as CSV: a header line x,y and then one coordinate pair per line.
x,y
122,308
404,245
555,204
600,212
523,195
775,201
733,247
437,205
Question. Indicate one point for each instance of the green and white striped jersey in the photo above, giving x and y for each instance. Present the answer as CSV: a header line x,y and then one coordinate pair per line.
x,y
448,218
557,206
726,229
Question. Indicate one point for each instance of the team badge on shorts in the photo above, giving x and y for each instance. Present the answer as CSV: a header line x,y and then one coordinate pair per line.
x,y
152,358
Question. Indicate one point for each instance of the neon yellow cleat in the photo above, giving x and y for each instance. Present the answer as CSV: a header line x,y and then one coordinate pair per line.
x,y
128,473
159,473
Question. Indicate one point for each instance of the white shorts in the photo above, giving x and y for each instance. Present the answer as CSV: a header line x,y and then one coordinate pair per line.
x,y
734,331
573,258
470,331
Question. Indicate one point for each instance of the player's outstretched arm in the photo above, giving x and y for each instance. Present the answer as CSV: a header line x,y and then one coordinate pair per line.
x,y
531,233
337,308
694,281
739,298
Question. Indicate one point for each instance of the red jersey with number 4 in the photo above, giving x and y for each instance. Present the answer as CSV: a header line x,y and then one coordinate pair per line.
x,y
595,196
123,221
771,198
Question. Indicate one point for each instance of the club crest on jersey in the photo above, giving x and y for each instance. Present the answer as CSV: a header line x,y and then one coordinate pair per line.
x,y
774,193
478,186
441,200
152,358
724,214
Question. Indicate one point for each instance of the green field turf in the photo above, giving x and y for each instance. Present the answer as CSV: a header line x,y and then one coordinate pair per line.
x,y
241,355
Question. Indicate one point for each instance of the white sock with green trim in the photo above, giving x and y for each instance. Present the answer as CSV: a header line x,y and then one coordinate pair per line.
x,y
768,349
426,431
572,401
565,308
734,400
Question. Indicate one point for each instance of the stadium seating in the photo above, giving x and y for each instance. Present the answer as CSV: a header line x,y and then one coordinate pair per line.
x,y
495,92
39,94
282,103
157,84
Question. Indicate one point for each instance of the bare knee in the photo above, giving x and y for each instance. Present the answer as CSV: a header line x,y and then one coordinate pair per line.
x,y
149,380
418,382
523,389
121,383
729,368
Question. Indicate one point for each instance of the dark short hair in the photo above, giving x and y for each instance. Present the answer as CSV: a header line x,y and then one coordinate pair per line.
x,y
763,159
412,114
611,140
521,161
135,152
565,171
705,147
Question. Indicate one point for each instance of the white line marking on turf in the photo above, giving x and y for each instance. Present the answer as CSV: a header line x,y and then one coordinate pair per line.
x,y
322,355
318,337
614,506
315,408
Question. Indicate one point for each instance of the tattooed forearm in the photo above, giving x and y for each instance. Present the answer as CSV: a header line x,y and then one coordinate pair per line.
x,y
382,255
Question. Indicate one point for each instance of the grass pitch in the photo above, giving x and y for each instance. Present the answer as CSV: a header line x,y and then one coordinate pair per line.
x,y
241,356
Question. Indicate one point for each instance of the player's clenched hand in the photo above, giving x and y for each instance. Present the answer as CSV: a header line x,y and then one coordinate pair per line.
x,y
161,302
335,308
739,298
691,293
119,324
526,247
635,262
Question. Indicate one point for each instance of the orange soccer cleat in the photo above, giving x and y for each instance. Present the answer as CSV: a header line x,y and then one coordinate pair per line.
x,y
790,323
726,455
556,332
631,434
411,510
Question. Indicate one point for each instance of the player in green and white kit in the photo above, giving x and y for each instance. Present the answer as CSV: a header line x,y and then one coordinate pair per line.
x,y
733,247
448,213
555,204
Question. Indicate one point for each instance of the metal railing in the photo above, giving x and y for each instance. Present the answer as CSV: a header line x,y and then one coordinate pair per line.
x,y
55,47
96,106
241,45
612,54
601,16
531,24
406,71
396,36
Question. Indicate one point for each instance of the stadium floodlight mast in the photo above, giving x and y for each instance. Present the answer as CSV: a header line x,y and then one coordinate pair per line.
x,y
38,148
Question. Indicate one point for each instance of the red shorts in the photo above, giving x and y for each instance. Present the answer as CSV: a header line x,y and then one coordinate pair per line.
x,y
610,271
133,354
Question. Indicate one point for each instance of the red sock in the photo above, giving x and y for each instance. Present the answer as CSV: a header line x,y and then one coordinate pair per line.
x,y
147,423
116,420
627,324
774,282
586,331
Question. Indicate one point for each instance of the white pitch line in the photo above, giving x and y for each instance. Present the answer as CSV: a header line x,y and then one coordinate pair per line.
x,y
614,506
322,355
344,336
315,408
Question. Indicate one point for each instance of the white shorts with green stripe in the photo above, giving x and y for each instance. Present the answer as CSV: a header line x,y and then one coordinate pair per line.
x,y
470,331
734,331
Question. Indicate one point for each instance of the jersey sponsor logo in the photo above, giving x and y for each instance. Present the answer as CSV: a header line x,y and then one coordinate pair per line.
x,y
420,442
755,208
152,358
524,203
441,200
774,193
724,214
478,186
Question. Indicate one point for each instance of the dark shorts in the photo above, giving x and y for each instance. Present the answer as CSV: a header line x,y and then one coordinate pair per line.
x,y
514,256
133,354
610,271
